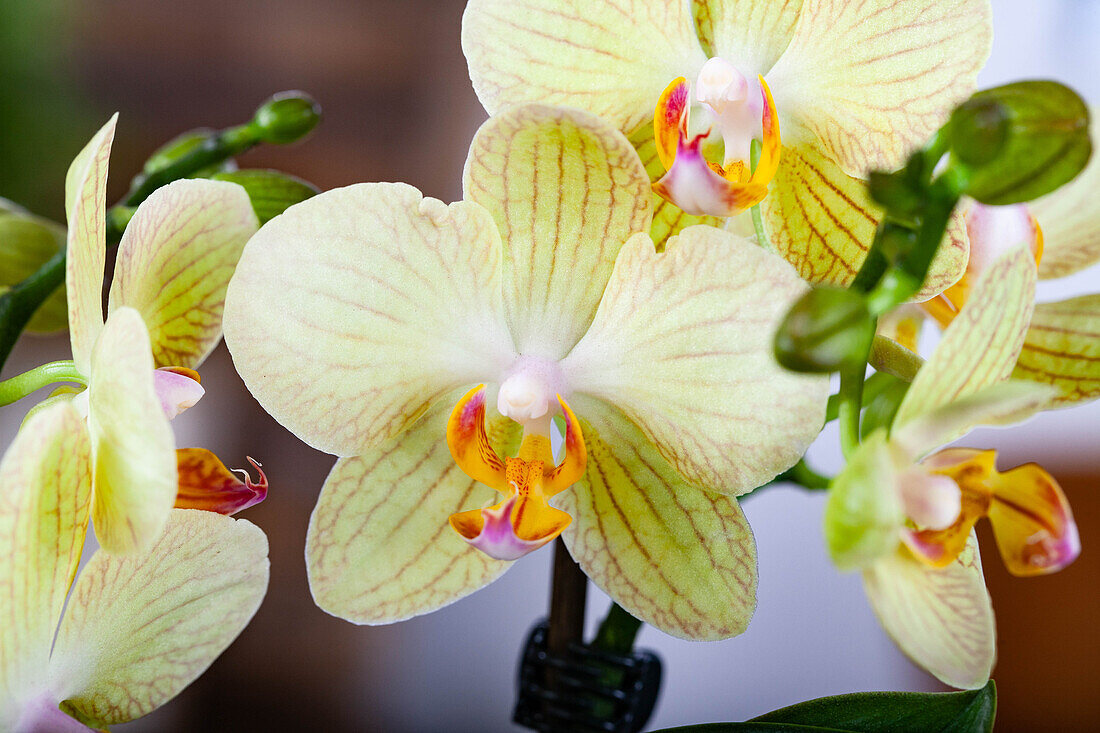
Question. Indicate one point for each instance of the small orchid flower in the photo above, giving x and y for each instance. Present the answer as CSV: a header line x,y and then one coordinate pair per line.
x,y
135,630
364,319
906,518
173,265
856,85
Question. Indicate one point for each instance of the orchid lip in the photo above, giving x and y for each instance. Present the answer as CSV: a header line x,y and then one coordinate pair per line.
x,y
497,537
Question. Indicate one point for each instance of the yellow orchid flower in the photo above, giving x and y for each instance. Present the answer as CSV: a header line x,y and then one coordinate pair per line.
x,y
172,268
906,518
361,319
1062,231
135,630
856,86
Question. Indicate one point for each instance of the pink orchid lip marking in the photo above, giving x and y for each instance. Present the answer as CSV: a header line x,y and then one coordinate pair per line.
x,y
178,389
205,483
497,538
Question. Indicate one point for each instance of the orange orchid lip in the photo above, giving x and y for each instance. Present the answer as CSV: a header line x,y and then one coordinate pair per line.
x,y
524,520
693,183
205,483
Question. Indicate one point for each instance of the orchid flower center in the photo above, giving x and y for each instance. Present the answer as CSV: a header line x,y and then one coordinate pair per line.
x,y
524,520
737,105
528,391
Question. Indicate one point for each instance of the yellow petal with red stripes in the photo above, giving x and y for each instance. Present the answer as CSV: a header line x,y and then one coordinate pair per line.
x,y
469,442
205,483
1032,521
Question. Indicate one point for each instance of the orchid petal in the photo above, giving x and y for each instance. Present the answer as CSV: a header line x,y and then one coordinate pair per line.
x,y
205,483
45,493
866,82
609,58
1003,403
1032,522
1062,348
27,243
351,313
750,35
134,480
139,629
682,343
379,548
176,391
566,190
1070,222
668,219
822,221
174,264
674,556
941,618
864,513
86,212
982,343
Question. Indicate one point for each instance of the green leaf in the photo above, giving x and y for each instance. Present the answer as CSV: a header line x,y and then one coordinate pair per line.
x,y
26,243
870,712
271,192
1021,141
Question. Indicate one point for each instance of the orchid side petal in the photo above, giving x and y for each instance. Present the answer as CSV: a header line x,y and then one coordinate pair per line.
x,y
981,345
682,343
1062,348
469,443
868,81
566,190
137,630
822,220
347,344
670,120
609,58
751,35
133,449
45,494
379,548
1032,522
574,464
205,483
174,264
942,619
676,557
86,212
1069,218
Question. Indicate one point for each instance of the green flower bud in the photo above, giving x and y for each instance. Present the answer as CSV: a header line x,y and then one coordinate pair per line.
x,y
979,130
286,117
827,329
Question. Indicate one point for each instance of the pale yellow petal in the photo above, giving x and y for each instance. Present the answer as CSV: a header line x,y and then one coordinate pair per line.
x,y
668,219
133,449
45,489
868,81
380,548
823,222
1062,348
609,57
1070,219
566,190
174,264
941,618
86,211
750,35
682,343
678,558
982,343
139,629
352,312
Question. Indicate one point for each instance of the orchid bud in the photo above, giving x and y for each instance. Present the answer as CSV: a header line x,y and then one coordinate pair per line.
x,y
286,117
825,330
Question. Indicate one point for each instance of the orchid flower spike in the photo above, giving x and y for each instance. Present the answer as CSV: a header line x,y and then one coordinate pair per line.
x,y
164,318
905,518
365,318
853,85
136,629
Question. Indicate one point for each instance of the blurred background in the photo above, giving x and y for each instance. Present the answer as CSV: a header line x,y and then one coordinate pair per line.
x,y
398,107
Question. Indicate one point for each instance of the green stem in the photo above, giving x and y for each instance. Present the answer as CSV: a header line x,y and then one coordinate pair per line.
x,y
617,631
18,387
758,220
851,400
874,385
